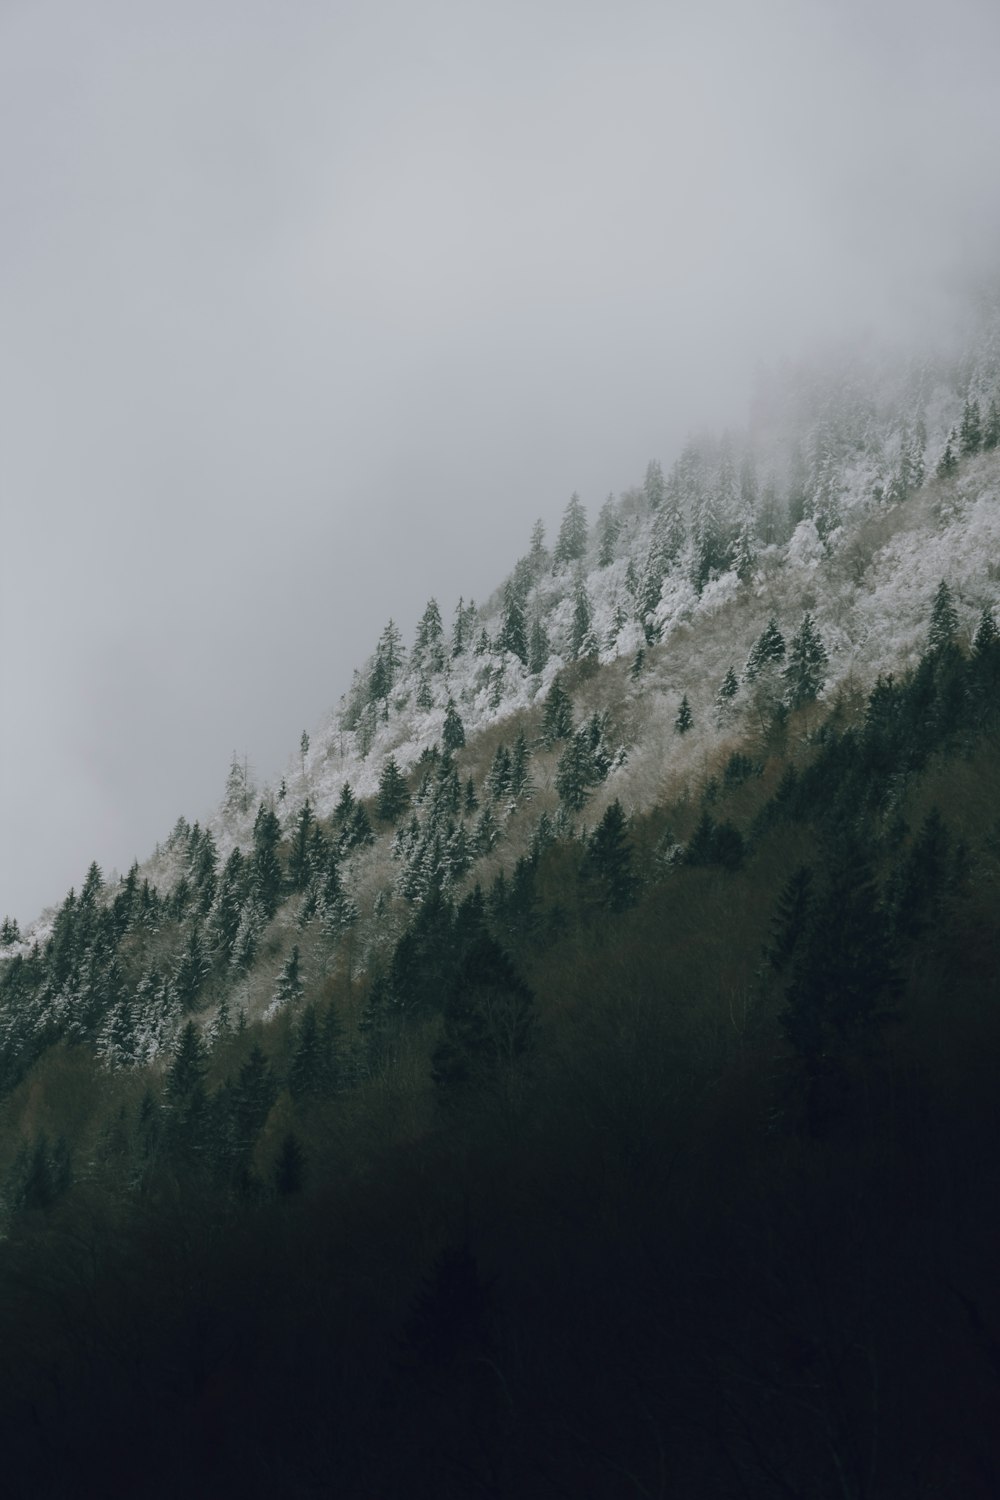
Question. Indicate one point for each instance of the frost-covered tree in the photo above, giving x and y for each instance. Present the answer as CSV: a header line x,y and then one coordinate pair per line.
x,y
971,432
538,556
572,542
608,530
948,463
513,634
685,718
653,486
239,787
581,642
520,767
428,650
557,719
289,987
805,672
991,429
538,647
453,732
767,650
944,620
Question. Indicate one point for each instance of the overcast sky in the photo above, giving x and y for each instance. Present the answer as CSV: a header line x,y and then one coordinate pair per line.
x,y
308,310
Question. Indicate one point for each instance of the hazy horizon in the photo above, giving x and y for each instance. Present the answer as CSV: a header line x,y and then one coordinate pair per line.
x,y
308,316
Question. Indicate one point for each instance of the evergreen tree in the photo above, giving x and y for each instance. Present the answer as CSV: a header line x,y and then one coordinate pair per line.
x,y
266,876
538,647
572,542
580,633
307,1071
767,650
393,793
425,698
685,718
248,1105
500,771
653,487
453,732
948,463
607,864
638,664
192,970
188,1068
252,919
239,791
344,810
520,768
608,530
991,431
745,557
728,690
458,635
805,673
358,832
471,800
289,987
304,750
944,620
513,635
537,555
557,719
576,772
971,434
428,651
299,865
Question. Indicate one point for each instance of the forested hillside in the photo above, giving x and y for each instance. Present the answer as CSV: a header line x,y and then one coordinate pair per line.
x,y
576,1076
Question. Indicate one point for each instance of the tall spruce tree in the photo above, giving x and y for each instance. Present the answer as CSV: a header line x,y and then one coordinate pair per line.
x,y
805,672
572,542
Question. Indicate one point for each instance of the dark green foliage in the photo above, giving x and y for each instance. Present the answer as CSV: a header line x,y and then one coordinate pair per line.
x,y
576,772
581,641
187,1071
572,541
538,647
767,651
948,463
715,844
805,672
393,794
488,1027
428,650
453,732
289,987
729,688
192,970
685,718
557,719
520,768
638,664
513,635
607,865
971,432
357,833
608,530
991,430
499,777
344,810
299,864
265,875
791,917
944,620
922,878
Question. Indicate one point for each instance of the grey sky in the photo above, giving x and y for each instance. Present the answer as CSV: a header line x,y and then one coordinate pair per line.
x,y
308,310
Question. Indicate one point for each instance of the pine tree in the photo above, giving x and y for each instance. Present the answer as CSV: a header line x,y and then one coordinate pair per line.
x,y
745,557
266,876
471,800
805,674
948,463
488,1029
971,435
513,635
289,987
425,698
608,530
580,634
188,1067
944,620
520,768
576,772
685,718
304,750
572,542
393,793
653,487
607,864
192,970
239,791
767,650
538,647
728,690
306,1073
499,777
428,650
344,810
557,719
537,554
991,431
453,732
299,868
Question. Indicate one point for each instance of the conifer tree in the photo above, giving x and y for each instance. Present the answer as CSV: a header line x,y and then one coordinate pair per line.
x,y
557,719
520,767
289,986
266,876
576,772
944,620
572,542
344,810
458,641
685,718
488,1029
513,635
608,530
393,793
991,430
580,634
499,777
471,800
971,435
299,868
607,864
188,1067
767,650
948,463
805,673
729,688
289,1168
538,647
453,732
306,1073
428,650
192,970
653,487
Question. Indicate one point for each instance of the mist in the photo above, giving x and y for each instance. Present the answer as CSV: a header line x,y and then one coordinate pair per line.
x,y
309,312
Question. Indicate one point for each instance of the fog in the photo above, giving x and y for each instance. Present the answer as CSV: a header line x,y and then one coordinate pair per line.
x,y
308,311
